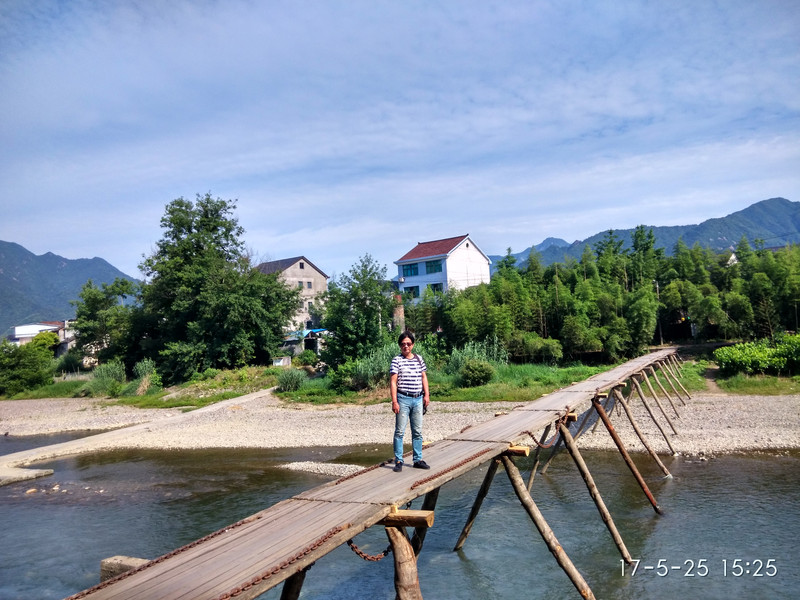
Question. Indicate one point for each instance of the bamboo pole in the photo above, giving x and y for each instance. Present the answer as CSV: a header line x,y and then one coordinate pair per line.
x,y
294,584
663,389
625,456
544,529
536,455
670,370
406,577
639,433
553,452
658,402
605,407
675,375
668,376
476,506
429,503
652,416
572,448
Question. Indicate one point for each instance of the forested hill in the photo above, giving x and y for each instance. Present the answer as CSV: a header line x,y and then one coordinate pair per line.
x,y
776,221
39,288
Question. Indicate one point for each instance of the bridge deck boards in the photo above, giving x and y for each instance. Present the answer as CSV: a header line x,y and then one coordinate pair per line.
x,y
292,534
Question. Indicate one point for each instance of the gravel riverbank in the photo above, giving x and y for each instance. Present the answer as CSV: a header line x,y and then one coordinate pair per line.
x,y
710,423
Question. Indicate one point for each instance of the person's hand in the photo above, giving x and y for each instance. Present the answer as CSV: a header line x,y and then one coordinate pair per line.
x,y
395,407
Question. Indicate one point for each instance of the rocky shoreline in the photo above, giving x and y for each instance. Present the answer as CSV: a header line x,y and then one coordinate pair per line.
x,y
709,424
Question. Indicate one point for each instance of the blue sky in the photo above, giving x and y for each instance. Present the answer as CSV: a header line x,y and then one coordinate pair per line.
x,y
347,128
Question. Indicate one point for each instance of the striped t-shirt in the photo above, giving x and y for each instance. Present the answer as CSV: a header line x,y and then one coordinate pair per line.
x,y
409,374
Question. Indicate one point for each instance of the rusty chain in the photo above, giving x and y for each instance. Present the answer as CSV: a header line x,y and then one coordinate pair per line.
x,y
369,557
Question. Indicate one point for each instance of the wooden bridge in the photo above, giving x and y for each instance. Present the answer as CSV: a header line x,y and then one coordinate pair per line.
x,y
279,544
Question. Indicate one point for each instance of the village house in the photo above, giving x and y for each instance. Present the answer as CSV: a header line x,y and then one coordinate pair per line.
x,y
450,263
63,329
301,273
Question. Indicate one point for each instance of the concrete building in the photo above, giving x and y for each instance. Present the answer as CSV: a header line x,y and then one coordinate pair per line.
x,y
450,263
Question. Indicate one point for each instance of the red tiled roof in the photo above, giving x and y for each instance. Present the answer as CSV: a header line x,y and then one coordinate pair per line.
x,y
434,248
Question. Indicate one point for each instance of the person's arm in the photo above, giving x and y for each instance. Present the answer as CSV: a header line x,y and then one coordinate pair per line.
x,y
427,396
393,391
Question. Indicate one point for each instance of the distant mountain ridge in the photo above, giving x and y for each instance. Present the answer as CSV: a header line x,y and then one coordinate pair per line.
x,y
40,288
776,221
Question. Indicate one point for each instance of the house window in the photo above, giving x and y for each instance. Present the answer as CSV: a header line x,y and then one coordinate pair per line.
x,y
299,284
411,270
302,265
436,287
433,266
308,285
413,290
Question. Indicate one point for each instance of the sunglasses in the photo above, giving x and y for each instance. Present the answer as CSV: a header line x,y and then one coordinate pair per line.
x,y
407,344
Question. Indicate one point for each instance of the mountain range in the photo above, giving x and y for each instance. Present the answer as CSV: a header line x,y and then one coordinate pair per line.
x,y
40,288
775,221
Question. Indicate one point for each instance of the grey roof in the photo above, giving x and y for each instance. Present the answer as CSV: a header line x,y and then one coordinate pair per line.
x,y
278,266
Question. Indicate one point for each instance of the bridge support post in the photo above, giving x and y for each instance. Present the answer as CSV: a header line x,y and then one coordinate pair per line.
x,y
625,456
476,506
673,372
652,416
639,433
668,376
544,529
293,585
658,402
572,447
406,577
663,389
539,447
429,503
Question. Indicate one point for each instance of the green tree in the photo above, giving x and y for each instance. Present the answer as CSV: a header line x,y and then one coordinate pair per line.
x,y
28,366
358,310
103,319
204,305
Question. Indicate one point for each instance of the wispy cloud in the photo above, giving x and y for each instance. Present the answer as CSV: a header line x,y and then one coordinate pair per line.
x,y
368,127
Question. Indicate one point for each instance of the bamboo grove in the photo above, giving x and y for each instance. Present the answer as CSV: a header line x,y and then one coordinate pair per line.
x,y
617,300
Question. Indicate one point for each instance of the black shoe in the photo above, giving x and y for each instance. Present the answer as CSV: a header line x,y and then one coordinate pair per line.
x,y
398,466
421,464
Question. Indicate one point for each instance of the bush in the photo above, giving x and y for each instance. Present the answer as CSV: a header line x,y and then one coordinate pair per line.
x,y
291,380
109,380
475,372
308,358
761,357
490,351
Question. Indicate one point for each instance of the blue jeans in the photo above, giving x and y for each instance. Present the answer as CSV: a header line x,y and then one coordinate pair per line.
x,y
410,406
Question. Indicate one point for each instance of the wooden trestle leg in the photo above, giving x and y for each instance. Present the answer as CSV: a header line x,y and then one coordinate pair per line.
x,y
544,529
539,447
663,389
476,506
406,577
293,585
646,379
625,456
652,416
429,503
639,433
572,448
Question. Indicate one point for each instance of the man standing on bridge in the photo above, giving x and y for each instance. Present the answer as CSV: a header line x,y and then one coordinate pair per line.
x,y
408,383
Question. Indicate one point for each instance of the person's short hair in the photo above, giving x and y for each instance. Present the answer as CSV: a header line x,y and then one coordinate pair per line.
x,y
404,335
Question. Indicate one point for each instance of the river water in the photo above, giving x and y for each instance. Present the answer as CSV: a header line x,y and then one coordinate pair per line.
x,y
730,529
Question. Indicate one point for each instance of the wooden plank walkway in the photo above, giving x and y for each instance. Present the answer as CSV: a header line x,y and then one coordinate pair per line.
x,y
247,558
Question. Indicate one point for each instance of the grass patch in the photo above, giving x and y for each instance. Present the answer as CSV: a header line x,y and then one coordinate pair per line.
x,y
59,389
760,385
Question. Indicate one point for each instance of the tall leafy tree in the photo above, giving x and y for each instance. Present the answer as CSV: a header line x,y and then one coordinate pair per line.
x,y
103,319
358,310
28,366
204,304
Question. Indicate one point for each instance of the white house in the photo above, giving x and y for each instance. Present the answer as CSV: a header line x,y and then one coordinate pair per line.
x,y
63,329
455,263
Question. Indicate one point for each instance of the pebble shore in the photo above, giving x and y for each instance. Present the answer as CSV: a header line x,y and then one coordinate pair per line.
x,y
709,424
